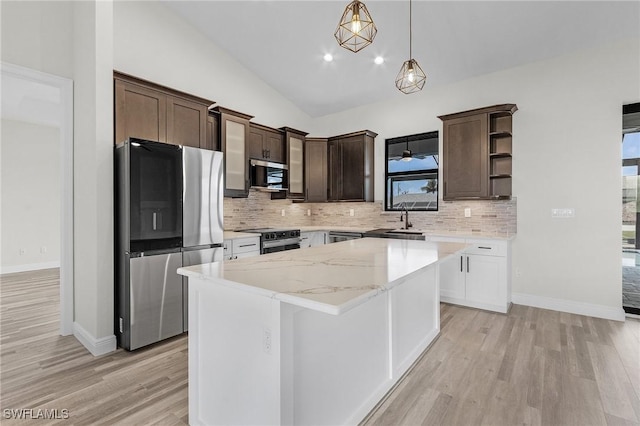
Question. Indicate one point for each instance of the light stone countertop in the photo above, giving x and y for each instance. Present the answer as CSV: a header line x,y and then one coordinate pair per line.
x,y
232,235
427,233
332,278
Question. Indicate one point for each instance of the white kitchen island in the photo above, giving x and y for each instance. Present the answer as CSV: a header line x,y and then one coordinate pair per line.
x,y
309,337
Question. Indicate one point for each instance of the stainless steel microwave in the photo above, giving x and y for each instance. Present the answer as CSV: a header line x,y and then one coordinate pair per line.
x,y
268,176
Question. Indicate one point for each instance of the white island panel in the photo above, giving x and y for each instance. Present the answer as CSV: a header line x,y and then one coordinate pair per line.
x,y
309,337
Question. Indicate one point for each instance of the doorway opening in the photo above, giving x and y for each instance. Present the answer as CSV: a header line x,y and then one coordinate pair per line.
x,y
34,103
631,209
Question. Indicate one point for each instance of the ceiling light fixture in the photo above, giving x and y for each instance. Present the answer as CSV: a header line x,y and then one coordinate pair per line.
x,y
407,155
411,78
356,29
379,60
328,57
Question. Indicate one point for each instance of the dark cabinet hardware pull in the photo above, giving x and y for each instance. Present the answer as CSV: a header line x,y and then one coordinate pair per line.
x,y
460,263
467,264
247,245
485,248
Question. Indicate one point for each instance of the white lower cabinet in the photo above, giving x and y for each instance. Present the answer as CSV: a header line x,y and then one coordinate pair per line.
x,y
241,247
312,238
478,280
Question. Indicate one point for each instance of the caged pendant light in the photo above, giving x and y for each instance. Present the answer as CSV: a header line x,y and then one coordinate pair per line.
x,y
356,29
411,78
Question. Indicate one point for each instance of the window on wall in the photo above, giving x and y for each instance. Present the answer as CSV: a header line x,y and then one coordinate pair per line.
x,y
412,182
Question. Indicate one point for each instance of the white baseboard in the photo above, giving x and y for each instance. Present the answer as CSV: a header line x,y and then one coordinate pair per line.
x,y
569,306
97,347
29,267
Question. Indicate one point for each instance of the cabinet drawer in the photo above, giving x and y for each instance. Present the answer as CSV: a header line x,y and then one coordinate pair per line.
x,y
243,245
487,248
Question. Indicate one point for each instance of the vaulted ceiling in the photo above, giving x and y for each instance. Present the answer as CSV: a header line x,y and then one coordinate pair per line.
x,y
284,42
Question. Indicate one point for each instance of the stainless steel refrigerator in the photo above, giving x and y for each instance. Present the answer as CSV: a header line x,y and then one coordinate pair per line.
x,y
168,214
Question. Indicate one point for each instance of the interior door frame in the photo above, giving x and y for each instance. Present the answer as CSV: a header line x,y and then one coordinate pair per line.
x,y
65,86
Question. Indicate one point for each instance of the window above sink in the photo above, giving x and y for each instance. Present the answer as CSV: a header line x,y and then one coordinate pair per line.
x,y
411,172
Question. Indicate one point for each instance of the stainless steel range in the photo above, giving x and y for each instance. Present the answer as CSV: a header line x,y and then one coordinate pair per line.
x,y
274,239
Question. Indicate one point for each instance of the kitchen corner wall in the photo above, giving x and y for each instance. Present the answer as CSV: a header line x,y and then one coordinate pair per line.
x,y
488,218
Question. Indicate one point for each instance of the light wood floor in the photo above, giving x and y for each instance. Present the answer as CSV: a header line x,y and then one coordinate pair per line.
x,y
532,366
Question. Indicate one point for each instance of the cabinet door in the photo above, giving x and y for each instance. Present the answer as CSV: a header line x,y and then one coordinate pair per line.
x,y
246,254
234,134
305,239
334,178
465,158
255,144
296,166
139,113
317,239
352,165
316,170
186,122
274,146
212,132
486,279
452,277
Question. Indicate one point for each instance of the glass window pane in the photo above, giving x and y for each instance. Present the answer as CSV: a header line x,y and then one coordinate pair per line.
x,y
631,145
412,184
414,193
416,163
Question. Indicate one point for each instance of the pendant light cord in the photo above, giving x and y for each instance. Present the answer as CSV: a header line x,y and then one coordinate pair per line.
x,y
410,35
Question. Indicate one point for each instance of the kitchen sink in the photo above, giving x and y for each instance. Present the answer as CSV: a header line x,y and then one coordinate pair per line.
x,y
395,233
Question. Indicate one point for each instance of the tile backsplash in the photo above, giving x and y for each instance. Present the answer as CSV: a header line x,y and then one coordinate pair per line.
x,y
497,218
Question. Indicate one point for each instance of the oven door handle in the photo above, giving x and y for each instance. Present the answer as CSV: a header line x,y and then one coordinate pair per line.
x,y
282,242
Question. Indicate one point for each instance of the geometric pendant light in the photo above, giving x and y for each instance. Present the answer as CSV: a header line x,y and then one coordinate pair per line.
x,y
356,29
411,78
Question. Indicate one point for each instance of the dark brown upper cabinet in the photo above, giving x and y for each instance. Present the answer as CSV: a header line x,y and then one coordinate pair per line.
x,y
476,153
149,111
234,137
350,160
213,132
294,148
265,143
315,169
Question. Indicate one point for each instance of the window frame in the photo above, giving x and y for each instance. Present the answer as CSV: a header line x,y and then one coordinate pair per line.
x,y
391,177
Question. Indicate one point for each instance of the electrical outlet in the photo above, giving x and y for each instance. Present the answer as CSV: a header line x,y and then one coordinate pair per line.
x,y
266,340
563,213
308,212
23,251
43,249
518,272
467,212
282,212
352,212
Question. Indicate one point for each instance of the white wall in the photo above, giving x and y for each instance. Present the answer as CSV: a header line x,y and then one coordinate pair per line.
x,y
38,35
152,43
567,138
30,178
93,174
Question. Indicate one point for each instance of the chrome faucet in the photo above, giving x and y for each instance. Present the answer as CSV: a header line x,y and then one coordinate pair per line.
x,y
407,224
